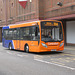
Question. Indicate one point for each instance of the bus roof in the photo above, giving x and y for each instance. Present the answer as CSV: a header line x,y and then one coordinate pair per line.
x,y
20,24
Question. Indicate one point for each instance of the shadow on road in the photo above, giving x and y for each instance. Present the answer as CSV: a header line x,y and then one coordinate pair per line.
x,y
41,53
47,53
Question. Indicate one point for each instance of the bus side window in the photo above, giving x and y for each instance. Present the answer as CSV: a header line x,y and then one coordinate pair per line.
x,y
5,34
10,34
14,33
35,33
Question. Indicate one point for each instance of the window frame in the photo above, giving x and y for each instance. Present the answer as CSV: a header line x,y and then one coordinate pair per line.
x,y
18,30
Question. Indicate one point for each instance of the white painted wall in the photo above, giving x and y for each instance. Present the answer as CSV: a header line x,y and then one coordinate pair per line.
x,y
70,32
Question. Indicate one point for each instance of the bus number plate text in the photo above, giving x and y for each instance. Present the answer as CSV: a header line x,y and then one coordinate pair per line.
x,y
53,49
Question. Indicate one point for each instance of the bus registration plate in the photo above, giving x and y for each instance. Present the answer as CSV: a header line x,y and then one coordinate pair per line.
x,y
53,49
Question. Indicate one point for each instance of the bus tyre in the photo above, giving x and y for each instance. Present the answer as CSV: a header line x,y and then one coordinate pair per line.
x,y
10,46
27,48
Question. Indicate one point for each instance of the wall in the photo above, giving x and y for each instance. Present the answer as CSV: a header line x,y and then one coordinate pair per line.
x,y
53,10
0,34
70,32
11,11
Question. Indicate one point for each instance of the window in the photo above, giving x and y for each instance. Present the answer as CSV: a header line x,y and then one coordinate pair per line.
x,y
10,35
5,34
14,33
25,33
51,32
29,33
17,34
35,33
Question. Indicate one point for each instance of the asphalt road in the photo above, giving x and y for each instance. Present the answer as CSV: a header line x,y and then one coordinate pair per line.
x,y
13,62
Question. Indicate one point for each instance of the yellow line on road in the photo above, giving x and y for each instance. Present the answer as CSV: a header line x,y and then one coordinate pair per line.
x,y
58,63
38,56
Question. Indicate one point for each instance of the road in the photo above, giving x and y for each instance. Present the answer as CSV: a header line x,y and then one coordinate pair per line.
x,y
13,62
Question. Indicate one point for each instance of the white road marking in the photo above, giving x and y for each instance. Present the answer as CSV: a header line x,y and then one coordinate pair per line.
x,y
19,55
55,64
9,52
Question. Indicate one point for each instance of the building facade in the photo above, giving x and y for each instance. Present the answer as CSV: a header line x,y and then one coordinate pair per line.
x,y
64,10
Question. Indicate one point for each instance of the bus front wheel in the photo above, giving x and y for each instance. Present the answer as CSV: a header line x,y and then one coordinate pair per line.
x,y
26,48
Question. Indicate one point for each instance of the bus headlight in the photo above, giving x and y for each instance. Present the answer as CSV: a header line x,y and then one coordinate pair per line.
x,y
44,45
61,44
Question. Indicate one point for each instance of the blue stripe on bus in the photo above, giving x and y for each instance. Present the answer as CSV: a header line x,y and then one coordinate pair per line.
x,y
12,45
6,43
7,27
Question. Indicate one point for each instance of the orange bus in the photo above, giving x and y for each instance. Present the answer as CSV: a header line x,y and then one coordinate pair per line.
x,y
36,36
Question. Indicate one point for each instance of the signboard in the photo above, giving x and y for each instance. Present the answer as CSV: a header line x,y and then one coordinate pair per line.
x,y
51,24
23,3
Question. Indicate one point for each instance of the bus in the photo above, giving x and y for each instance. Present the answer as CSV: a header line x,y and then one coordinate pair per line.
x,y
36,36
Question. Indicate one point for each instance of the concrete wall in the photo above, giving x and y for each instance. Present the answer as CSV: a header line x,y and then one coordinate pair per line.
x,y
70,32
0,34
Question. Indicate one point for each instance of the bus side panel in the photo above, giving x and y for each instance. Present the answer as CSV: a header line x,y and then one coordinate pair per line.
x,y
17,44
33,45
14,42
22,44
7,42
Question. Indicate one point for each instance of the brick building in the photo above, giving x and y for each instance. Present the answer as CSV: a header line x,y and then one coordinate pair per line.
x,y
12,12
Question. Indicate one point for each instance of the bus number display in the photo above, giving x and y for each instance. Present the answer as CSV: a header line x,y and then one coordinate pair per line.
x,y
51,24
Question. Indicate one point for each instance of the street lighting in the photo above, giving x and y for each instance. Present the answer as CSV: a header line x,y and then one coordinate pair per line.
x,y
30,0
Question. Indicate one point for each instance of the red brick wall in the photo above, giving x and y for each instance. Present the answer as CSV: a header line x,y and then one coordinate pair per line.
x,y
53,10
16,13
37,9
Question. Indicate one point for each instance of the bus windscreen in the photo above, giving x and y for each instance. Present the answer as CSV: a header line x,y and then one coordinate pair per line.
x,y
51,31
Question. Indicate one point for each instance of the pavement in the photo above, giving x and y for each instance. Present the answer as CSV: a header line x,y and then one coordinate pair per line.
x,y
14,62
69,47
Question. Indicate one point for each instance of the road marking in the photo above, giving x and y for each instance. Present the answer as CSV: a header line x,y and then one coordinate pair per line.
x,y
9,52
19,55
67,54
58,63
55,64
38,56
25,55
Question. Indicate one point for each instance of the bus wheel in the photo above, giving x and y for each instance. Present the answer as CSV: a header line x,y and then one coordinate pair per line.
x,y
10,46
27,48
